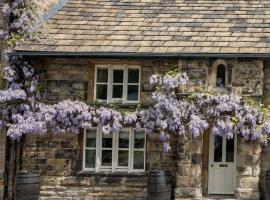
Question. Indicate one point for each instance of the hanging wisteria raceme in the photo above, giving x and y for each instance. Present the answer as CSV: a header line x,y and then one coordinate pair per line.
x,y
26,18
171,113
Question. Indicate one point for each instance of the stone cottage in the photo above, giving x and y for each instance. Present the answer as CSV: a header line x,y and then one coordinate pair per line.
x,y
105,51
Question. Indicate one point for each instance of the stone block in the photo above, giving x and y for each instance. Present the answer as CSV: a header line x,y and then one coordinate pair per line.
x,y
76,181
196,158
244,170
248,182
188,192
66,144
65,153
247,194
188,181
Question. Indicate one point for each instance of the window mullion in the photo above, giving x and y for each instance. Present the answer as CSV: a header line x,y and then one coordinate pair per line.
x,y
125,84
114,151
109,91
131,147
98,150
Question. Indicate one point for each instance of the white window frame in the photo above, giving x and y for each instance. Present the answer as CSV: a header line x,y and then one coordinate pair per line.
x,y
110,83
115,139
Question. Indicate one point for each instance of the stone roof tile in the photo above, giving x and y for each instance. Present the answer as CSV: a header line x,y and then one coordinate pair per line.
x,y
158,26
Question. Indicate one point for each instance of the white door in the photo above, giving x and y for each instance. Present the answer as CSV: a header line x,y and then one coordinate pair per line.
x,y
222,166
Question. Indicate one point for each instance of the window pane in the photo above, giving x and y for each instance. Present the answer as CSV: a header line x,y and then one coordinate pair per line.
x,y
106,159
107,140
102,75
118,76
139,140
91,138
138,162
101,92
117,91
217,148
132,94
230,150
123,140
90,158
133,76
122,158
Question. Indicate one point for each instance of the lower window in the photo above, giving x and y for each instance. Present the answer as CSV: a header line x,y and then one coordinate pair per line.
x,y
123,151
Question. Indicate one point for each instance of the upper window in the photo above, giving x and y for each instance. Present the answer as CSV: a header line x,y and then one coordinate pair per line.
x,y
117,83
123,151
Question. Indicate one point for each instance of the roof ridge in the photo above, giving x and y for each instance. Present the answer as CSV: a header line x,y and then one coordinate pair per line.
x,y
54,9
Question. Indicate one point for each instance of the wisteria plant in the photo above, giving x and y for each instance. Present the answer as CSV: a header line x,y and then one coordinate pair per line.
x,y
173,110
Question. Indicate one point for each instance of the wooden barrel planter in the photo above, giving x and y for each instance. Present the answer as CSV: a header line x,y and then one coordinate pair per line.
x,y
27,186
159,186
267,185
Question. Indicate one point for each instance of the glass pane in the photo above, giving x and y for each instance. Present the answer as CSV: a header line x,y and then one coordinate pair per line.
x,y
139,140
107,140
138,162
122,158
90,158
217,149
91,138
133,76
106,159
230,150
102,75
132,94
118,76
101,92
123,140
117,91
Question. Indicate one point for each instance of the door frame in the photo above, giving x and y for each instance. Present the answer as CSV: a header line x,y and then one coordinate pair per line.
x,y
211,154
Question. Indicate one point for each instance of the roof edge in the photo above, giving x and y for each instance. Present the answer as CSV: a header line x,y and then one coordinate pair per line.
x,y
137,55
53,10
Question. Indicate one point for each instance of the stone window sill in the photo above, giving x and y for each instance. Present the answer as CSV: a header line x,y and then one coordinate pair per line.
x,y
112,174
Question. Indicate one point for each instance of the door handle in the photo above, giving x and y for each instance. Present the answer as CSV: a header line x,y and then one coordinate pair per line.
x,y
212,165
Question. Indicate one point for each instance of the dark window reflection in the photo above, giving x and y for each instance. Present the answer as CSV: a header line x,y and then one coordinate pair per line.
x,y
217,149
102,75
117,91
118,75
90,158
106,159
123,140
220,82
107,141
123,158
101,92
133,92
230,150
91,138
133,76
138,162
139,140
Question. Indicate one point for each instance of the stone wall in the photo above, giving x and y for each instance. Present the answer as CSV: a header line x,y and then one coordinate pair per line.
x,y
3,27
189,169
248,169
58,157
265,161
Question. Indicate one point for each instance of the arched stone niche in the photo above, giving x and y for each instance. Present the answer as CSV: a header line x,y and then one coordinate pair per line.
x,y
219,75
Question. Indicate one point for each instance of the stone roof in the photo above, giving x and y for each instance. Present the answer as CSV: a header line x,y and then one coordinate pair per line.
x,y
159,26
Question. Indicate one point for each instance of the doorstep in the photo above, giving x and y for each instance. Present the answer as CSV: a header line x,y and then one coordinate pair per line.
x,y
219,197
